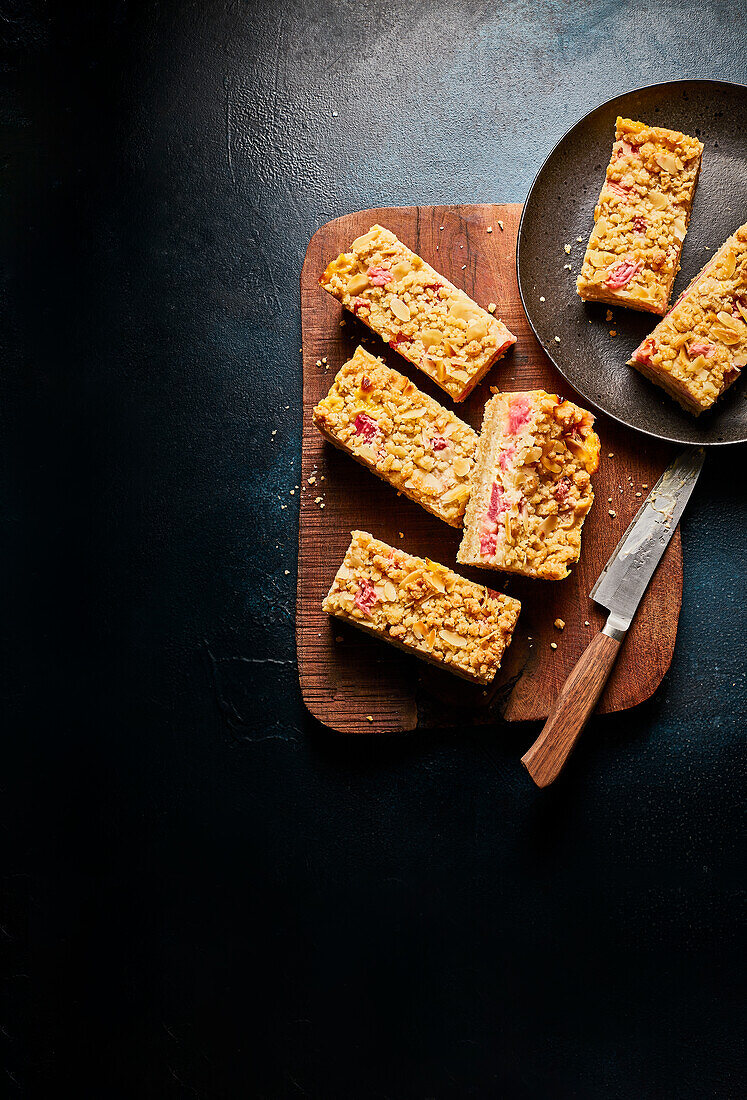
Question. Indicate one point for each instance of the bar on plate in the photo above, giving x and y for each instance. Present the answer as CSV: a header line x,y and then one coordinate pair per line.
x,y
422,607
531,486
641,218
418,312
381,419
700,347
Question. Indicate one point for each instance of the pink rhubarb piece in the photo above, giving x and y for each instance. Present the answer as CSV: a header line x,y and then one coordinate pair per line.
x,y
621,274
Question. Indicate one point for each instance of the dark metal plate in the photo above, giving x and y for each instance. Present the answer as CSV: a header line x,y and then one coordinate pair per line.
x,y
560,208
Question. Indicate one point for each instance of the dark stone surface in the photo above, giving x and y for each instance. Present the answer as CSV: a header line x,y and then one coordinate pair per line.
x,y
205,894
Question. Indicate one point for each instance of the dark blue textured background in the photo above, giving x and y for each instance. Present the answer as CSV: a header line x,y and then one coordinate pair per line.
x,y
205,894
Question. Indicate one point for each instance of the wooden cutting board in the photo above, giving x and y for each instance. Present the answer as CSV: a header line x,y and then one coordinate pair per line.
x,y
355,684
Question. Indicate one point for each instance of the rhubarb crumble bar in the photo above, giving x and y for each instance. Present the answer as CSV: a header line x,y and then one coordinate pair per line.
x,y
423,607
700,347
382,419
531,486
641,218
417,311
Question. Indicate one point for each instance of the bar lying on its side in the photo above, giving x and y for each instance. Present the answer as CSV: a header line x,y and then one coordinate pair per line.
x,y
531,486
700,347
641,218
381,419
423,607
417,311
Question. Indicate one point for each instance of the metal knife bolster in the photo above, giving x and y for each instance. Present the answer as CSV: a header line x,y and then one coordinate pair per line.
x,y
626,575
616,626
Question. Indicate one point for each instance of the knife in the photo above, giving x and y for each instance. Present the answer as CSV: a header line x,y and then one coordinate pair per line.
x,y
620,588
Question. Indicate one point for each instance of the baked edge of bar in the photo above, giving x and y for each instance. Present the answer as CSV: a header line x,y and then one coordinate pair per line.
x,y
611,299
677,391
372,469
416,653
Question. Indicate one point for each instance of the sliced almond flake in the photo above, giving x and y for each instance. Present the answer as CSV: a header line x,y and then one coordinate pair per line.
x,y
401,268
431,483
357,284
667,163
414,576
457,494
399,308
462,309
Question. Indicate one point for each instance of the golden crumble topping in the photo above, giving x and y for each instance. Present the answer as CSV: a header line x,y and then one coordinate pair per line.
x,y
418,312
423,607
384,421
700,347
531,488
641,218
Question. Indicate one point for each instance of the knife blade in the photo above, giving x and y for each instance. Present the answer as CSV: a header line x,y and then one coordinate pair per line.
x,y
633,562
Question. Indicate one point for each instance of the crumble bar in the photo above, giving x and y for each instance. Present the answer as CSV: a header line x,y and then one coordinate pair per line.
x,y
531,486
417,311
700,347
423,607
382,419
641,218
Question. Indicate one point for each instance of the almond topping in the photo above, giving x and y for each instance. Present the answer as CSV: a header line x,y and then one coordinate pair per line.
x,y
431,483
404,267
414,576
357,284
399,308
458,493
477,329
462,309
667,162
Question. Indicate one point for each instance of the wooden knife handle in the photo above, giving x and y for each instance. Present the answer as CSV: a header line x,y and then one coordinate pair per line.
x,y
572,709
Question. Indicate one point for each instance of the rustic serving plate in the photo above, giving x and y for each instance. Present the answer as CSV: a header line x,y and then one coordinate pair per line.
x,y
560,208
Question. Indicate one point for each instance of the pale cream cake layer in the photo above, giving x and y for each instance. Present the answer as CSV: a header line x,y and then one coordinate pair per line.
x,y
700,347
423,607
382,420
418,312
531,486
641,218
